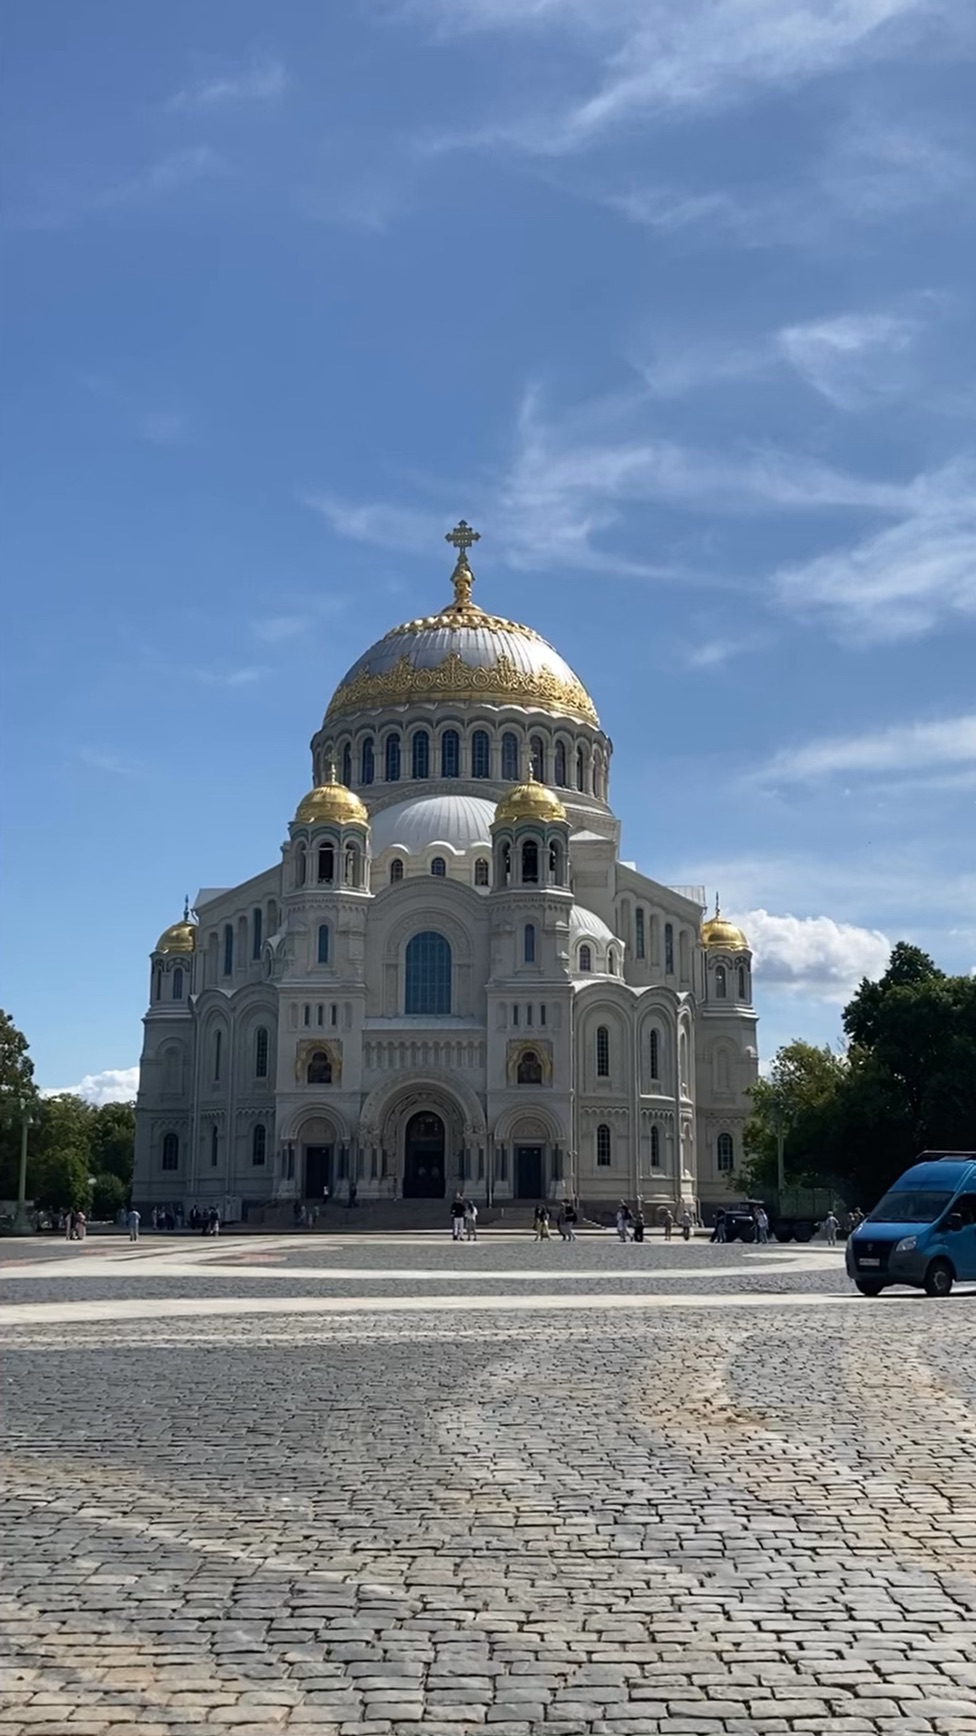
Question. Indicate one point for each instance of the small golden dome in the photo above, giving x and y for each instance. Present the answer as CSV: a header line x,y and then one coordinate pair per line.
x,y
331,802
180,937
529,801
717,934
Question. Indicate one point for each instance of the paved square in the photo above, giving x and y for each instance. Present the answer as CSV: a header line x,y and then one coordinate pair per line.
x,y
369,1487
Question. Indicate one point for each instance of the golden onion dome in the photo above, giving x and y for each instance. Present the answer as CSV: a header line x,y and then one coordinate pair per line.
x,y
180,936
718,934
333,804
529,801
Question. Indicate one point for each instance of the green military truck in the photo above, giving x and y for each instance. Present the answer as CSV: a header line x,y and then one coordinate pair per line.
x,y
793,1212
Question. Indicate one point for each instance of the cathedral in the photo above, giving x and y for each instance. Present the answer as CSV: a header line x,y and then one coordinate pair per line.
x,y
450,980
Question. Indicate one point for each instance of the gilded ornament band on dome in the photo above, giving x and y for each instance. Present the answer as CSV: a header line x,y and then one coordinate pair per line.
x,y
453,679
464,615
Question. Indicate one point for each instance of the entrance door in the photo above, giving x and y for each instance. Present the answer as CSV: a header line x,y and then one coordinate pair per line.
x,y
424,1158
318,1171
528,1172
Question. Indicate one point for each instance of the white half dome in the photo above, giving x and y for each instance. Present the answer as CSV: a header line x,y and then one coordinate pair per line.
x,y
586,925
459,823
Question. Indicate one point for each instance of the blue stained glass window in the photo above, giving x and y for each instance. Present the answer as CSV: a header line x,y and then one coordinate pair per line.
x,y
480,754
392,759
428,988
367,762
725,1152
177,984
421,754
450,754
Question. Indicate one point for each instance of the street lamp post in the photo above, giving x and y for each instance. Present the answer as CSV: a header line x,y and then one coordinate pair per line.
x,y
21,1221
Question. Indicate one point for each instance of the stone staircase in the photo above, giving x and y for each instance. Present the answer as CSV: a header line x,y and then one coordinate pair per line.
x,y
385,1217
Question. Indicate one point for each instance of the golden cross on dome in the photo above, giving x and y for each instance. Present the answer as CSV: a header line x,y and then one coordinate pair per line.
x,y
462,537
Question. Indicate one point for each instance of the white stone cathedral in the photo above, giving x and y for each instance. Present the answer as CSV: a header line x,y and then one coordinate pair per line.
x,y
449,980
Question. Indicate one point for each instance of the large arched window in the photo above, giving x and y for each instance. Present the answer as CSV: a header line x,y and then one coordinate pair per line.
x,y
323,947
481,872
218,1046
438,868
530,863
603,1146
510,757
529,1071
259,1144
367,761
528,943
668,949
428,974
724,1152
347,764
393,759
640,946
586,958
537,758
603,1052
178,984
261,1052
171,1151
721,983
420,754
319,1069
655,1054
257,932
655,1148
326,864
560,771
481,754
580,770
450,754
228,949
396,870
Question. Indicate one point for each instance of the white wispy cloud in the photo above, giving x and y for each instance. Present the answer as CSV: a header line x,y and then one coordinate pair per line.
x,y
263,81
71,201
275,629
900,749
813,955
849,359
715,652
107,760
244,676
112,1085
379,523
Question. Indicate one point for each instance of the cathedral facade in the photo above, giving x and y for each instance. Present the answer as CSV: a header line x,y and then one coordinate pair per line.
x,y
449,980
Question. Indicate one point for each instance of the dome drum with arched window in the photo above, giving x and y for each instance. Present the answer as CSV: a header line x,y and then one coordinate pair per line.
x,y
329,835
530,838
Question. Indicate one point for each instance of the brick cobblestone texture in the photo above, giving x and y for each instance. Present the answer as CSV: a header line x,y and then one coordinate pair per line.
x,y
672,1519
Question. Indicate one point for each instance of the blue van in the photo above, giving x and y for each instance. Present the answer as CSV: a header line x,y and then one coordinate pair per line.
x,y
923,1232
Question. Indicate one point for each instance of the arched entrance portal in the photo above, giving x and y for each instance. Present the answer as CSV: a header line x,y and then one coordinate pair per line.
x,y
424,1155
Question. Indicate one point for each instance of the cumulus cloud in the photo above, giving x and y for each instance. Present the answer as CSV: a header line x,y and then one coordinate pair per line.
x,y
813,954
113,1085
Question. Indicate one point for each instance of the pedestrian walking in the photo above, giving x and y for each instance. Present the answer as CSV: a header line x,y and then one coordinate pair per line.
x,y
639,1225
569,1221
470,1221
684,1224
624,1221
762,1224
132,1219
831,1225
69,1226
457,1217
719,1232
541,1222
213,1222
353,1194
81,1226
667,1219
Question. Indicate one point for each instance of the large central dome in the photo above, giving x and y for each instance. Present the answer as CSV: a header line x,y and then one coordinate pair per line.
x,y
462,654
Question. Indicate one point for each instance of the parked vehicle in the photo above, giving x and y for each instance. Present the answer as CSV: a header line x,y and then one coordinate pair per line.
x,y
923,1232
793,1212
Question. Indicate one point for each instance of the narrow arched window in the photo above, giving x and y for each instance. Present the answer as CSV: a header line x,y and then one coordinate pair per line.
x,y
393,759
301,865
178,984
438,868
556,864
481,754
506,864
261,1052
367,761
603,1146
481,872
323,951
510,757
259,1144
580,770
537,756
529,1070
528,943
530,863
603,1052
742,983
724,1152
640,943
257,932
347,764
655,1055
214,1145
228,949
668,949
352,865
157,986
420,754
171,1151
585,958
560,770
319,1069
272,917
683,954
655,1148
326,864
450,754
218,1045
428,974
396,870
612,962
721,982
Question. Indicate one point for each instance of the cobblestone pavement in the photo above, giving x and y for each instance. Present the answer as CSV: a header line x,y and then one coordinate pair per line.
x,y
709,1495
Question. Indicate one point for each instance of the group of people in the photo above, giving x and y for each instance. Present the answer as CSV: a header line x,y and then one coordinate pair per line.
x,y
464,1219
567,1218
75,1226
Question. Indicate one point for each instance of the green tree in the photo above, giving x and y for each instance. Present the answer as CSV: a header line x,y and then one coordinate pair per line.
x,y
59,1168
108,1195
113,1141
18,1094
799,1095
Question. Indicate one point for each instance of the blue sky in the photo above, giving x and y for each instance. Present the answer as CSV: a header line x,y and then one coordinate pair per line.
x,y
672,301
